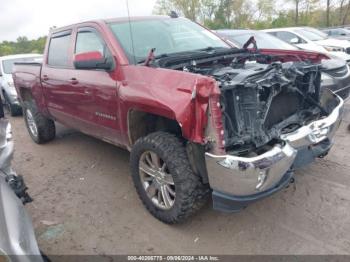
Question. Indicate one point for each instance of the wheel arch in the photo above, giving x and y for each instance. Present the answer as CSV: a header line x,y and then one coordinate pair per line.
x,y
25,94
141,123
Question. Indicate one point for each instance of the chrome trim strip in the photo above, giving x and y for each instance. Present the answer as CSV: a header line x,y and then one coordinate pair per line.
x,y
249,175
316,131
244,176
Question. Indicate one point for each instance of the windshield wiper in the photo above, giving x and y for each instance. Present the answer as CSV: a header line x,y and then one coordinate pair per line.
x,y
150,57
169,55
208,50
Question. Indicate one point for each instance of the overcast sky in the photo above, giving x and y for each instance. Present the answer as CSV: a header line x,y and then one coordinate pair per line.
x,y
33,18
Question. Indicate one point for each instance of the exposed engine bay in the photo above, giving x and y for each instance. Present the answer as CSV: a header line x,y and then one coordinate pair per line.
x,y
260,102
261,97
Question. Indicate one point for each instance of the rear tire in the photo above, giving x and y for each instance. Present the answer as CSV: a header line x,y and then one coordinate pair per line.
x,y
40,128
187,194
15,110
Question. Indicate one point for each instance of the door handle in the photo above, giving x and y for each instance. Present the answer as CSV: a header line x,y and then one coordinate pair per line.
x,y
73,81
45,77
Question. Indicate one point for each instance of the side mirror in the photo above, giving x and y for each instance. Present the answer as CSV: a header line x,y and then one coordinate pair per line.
x,y
92,60
294,41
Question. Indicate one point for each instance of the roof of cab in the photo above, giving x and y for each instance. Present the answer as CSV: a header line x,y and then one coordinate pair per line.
x,y
136,18
112,20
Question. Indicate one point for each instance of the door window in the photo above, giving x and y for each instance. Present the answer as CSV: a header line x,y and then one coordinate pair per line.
x,y
288,37
89,41
58,54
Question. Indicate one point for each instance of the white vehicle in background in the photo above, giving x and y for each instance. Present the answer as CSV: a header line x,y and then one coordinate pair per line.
x,y
311,39
8,91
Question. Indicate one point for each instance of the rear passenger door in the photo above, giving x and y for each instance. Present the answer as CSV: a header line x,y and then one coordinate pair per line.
x,y
55,77
99,104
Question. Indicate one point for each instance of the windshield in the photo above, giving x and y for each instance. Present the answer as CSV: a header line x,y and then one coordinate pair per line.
x,y
7,65
312,34
166,35
263,40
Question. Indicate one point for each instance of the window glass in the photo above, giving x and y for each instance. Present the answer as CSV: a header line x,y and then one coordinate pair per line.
x,y
59,51
339,32
312,35
88,41
263,40
166,35
286,36
316,31
332,32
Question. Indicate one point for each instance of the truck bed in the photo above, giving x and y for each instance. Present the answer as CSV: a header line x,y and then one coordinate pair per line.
x,y
26,74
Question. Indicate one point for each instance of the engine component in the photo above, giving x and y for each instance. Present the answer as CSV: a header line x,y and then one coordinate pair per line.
x,y
260,102
262,96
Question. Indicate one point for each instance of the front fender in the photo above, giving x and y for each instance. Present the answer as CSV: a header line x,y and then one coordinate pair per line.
x,y
176,95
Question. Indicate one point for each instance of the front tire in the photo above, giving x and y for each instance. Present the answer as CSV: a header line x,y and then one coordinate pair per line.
x,y
164,180
40,128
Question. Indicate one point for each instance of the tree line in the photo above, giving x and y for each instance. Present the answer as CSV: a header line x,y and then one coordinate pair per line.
x,y
22,46
260,14
215,14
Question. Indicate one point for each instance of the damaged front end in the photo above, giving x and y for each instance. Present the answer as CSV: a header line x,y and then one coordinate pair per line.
x,y
275,118
270,117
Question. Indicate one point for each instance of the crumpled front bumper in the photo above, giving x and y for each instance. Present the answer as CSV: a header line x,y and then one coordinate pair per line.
x,y
237,181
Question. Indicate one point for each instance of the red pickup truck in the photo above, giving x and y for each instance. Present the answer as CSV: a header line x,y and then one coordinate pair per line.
x,y
198,116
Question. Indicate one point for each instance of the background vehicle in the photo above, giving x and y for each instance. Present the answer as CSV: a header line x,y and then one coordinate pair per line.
x,y
309,38
198,116
17,235
339,33
8,91
335,72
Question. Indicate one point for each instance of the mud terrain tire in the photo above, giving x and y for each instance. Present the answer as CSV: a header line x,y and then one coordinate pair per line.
x,y
40,128
191,193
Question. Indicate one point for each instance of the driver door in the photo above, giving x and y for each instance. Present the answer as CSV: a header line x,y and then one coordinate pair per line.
x,y
98,106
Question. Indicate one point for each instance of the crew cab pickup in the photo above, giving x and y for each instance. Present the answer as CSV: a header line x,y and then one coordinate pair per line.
x,y
199,117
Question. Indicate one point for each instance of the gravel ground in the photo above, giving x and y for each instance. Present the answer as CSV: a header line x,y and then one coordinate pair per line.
x,y
85,203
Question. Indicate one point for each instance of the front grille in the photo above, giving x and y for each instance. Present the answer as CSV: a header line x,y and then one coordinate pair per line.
x,y
338,72
348,50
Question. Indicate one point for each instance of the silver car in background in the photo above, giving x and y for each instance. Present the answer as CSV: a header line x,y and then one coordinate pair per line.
x,y
8,91
17,238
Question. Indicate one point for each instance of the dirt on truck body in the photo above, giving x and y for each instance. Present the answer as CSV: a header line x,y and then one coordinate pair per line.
x,y
198,116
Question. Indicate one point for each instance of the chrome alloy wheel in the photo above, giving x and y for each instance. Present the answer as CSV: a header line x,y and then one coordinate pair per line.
x,y
156,180
31,123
